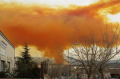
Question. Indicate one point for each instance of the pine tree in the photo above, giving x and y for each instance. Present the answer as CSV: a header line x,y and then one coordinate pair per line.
x,y
26,68
25,55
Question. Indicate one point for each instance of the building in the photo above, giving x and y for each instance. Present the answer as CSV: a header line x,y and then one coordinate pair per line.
x,y
7,53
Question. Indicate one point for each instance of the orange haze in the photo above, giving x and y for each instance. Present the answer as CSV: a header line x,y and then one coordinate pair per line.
x,y
45,27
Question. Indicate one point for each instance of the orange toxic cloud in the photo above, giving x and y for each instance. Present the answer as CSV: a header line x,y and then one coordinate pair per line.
x,y
45,27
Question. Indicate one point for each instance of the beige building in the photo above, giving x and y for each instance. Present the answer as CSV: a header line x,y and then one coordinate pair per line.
x,y
7,53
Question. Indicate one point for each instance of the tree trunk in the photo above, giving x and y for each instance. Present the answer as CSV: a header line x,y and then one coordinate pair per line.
x,y
89,75
102,75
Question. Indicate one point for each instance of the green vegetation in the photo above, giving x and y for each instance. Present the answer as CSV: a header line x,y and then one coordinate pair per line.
x,y
25,67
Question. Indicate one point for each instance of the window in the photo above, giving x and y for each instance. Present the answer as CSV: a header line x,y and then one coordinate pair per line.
x,y
2,65
3,45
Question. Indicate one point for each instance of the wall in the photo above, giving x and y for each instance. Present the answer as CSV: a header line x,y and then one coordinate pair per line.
x,y
7,51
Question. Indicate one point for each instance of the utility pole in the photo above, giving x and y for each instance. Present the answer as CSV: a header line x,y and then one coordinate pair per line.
x,y
68,65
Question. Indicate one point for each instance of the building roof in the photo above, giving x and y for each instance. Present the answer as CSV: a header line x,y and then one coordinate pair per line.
x,y
6,39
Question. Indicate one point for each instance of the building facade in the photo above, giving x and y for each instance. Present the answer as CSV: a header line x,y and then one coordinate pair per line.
x,y
7,53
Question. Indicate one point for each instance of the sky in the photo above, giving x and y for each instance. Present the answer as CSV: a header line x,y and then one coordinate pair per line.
x,y
47,24
64,3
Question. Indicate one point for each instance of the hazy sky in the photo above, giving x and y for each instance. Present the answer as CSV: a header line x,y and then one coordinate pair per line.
x,y
56,2
45,24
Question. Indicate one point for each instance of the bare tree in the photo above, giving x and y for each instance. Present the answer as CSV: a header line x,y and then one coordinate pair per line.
x,y
95,53
84,56
102,54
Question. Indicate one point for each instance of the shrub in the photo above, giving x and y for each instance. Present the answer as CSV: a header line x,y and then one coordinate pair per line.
x,y
2,74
